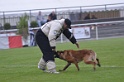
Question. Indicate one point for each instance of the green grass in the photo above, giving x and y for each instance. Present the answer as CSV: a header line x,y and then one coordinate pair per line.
x,y
20,65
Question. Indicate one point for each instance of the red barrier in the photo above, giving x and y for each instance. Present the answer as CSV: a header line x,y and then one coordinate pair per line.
x,y
15,41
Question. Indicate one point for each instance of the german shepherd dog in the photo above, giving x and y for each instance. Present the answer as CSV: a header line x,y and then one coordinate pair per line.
x,y
76,56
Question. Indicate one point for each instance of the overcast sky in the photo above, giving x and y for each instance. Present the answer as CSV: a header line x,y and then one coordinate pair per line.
x,y
12,5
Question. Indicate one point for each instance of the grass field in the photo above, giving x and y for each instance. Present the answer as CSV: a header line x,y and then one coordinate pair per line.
x,y
20,65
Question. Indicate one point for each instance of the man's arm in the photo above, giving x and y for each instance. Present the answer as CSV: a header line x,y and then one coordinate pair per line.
x,y
70,36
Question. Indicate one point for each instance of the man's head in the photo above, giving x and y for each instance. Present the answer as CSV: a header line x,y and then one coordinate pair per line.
x,y
67,23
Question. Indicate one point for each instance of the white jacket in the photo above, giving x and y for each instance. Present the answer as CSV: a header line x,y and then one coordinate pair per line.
x,y
52,30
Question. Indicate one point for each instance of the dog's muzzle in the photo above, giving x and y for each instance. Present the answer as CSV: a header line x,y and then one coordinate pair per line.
x,y
56,55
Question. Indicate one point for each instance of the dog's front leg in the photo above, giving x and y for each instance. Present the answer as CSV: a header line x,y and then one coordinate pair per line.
x,y
68,64
76,64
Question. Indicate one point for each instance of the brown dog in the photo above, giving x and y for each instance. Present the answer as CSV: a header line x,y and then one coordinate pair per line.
x,y
73,56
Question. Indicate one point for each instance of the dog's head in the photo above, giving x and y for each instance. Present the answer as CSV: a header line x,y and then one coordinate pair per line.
x,y
59,54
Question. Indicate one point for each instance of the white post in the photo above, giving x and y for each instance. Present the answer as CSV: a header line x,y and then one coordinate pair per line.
x,y
96,32
29,31
61,38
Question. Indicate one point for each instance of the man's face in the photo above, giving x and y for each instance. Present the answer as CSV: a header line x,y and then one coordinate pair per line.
x,y
65,26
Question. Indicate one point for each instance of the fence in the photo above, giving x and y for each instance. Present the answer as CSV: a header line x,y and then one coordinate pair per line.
x,y
89,30
96,30
74,13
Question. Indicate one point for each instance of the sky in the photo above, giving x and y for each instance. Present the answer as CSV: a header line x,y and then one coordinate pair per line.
x,y
12,5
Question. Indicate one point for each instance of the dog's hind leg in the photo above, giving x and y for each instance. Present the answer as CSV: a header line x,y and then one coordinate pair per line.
x,y
68,64
88,60
93,63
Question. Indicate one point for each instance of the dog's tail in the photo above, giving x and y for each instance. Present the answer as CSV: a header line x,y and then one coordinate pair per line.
x,y
98,62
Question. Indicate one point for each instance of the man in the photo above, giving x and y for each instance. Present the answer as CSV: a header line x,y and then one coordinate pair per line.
x,y
40,19
52,16
46,39
87,17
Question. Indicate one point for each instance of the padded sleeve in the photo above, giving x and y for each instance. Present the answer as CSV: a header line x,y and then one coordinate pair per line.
x,y
69,35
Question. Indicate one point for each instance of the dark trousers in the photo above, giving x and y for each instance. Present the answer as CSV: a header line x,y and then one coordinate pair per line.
x,y
44,45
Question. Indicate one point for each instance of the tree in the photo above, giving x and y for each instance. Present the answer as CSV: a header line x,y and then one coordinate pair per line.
x,y
23,27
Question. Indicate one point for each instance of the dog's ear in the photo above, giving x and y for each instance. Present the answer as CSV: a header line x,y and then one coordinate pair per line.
x,y
61,51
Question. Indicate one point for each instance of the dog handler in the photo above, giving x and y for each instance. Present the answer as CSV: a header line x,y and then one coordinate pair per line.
x,y
46,39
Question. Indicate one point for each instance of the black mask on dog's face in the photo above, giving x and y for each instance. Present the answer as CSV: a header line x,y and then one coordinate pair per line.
x,y
58,54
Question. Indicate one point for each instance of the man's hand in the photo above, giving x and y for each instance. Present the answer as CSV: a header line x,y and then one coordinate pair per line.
x,y
54,51
53,48
77,45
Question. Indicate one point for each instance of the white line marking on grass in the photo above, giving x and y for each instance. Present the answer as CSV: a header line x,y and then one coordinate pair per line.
x,y
106,66
97,66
